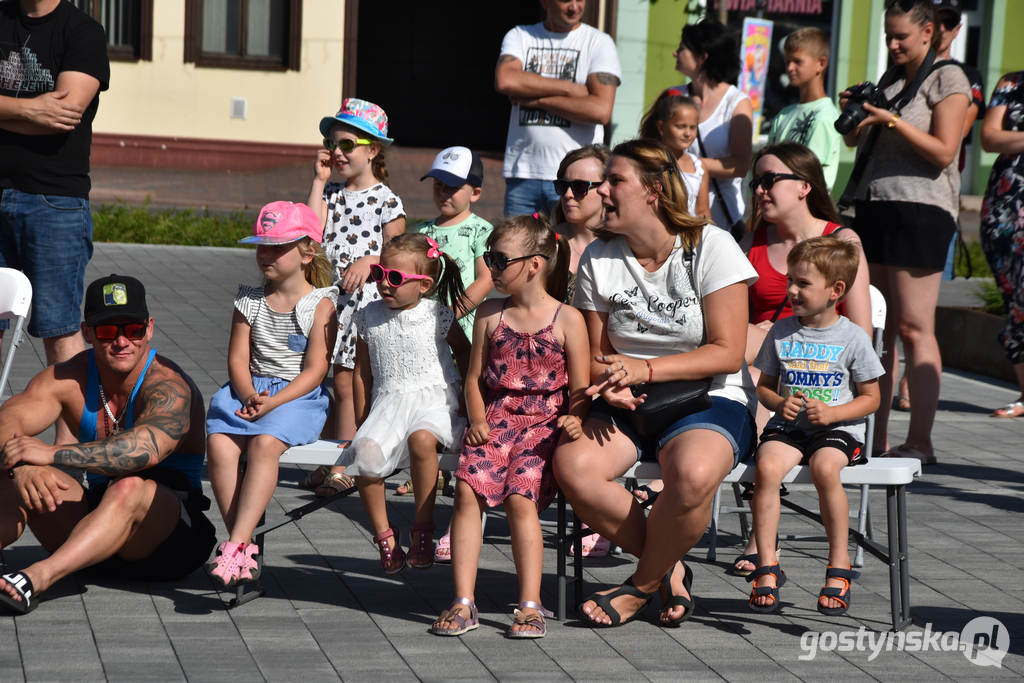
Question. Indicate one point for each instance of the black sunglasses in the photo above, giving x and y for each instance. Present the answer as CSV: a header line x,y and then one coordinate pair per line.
x,y
495,260
111,331
579,188
768,180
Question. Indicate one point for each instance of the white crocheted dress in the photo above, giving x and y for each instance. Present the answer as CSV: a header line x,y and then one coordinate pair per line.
x,y
415,386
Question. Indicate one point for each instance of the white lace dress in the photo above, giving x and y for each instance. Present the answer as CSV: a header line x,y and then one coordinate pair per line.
x,y
415,386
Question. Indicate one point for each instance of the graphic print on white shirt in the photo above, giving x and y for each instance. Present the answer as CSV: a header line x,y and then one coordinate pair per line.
x,y
550,62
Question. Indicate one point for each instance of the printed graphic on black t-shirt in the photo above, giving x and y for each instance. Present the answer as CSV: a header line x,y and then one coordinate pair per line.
x,y
21,73
550,62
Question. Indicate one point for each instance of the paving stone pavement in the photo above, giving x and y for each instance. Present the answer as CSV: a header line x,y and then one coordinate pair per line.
x,y
330,614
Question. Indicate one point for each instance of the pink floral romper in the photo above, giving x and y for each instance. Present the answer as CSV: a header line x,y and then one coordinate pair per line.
x,y
526,392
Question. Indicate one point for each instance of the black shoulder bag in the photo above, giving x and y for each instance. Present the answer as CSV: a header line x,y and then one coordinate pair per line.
x,y
666,402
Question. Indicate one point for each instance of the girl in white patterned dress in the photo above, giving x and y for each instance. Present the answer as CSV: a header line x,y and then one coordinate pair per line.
x,y
407,388
282,335
359,214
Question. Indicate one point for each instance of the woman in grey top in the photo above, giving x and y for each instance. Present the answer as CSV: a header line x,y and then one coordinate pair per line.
x,y
906,203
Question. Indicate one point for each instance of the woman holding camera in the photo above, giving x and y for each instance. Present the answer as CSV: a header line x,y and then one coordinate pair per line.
x,y
709,57
665,298
906,204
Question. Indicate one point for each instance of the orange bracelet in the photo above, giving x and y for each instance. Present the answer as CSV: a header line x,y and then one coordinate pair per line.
x,y
650,371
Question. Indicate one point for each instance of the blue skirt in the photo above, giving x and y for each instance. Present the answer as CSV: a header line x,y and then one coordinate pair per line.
x,y
296,422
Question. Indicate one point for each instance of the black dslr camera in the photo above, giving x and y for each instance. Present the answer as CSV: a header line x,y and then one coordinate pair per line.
x,y
854,113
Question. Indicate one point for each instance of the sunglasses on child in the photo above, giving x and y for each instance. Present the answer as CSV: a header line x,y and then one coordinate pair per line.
x,y
346,145
111,331
495,260
579,188
395,278
768,180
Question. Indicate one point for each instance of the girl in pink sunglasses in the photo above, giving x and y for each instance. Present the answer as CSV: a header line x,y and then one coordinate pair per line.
x,y
406,388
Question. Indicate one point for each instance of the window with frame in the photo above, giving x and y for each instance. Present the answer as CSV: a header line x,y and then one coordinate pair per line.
x,y
244,34
128,24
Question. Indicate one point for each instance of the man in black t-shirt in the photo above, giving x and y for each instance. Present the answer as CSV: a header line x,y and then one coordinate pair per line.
x,y
53,63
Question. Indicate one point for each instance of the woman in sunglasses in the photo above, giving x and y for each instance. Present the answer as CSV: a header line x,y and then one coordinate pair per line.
x,y
791,204
406,388
664,297
578,211
906,203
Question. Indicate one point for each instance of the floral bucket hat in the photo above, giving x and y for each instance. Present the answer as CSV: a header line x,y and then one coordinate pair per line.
x,y
361,115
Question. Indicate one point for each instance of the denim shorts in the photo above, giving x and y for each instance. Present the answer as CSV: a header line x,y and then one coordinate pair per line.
x,y
729,418
526,195
49,238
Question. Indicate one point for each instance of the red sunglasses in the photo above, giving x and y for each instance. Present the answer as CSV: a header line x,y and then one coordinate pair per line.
x,y
395,278
111,331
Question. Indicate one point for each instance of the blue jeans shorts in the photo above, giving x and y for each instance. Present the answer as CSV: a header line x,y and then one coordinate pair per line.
x,y
49,238
729,418
526,195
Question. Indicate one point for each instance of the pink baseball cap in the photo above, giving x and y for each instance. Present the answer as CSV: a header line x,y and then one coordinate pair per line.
x,y
284,223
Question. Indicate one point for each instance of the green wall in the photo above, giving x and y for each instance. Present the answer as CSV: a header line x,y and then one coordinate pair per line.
x,y
665,21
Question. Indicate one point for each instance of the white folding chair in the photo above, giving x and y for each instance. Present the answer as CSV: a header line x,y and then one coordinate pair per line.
x,y
15,301
863,515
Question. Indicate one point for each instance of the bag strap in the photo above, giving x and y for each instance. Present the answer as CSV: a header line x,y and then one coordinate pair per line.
x,y
778,311
688,256
714,181
896,104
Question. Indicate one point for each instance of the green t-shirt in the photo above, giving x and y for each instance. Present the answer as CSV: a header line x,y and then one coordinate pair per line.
x,y
811,124
465,242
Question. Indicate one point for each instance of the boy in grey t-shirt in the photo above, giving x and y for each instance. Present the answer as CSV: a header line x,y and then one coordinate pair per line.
x,y
808,363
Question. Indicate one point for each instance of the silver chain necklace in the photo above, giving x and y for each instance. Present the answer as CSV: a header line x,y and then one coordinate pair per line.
x,y
117,420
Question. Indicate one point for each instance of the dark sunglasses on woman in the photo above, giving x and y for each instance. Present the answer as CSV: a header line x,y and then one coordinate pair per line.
x,y
499,262
579,188
768,180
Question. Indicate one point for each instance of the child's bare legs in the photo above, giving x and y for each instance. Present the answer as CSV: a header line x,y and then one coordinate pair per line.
x,y
774,460
423,469
835,512
344,416
467,539
223,454
527,550
372,493
262,456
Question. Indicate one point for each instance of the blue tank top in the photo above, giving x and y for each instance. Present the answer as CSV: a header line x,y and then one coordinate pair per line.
x,y
187,463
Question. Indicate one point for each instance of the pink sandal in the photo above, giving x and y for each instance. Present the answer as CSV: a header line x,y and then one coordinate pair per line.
x,y
249,567
443,549
224,568
421,547
392,559
594,545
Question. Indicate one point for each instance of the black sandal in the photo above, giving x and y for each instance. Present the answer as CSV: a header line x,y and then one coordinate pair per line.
x,y
670,600
840,594
770,591
605,603
20,582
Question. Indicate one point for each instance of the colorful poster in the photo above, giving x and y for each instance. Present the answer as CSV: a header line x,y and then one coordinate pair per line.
x,y
754,54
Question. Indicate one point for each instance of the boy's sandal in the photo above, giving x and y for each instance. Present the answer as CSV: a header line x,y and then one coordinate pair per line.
x,y
669,600
392,559
766,591
842,595
443,549
453,614
1015,409
22,585
605,603
421,547
315,478
334,483
534,620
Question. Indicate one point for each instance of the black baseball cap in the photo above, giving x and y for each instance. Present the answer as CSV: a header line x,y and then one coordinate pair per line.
x,y
115,296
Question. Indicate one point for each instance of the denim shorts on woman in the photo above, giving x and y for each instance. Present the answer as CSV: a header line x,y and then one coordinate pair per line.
x,y
729,418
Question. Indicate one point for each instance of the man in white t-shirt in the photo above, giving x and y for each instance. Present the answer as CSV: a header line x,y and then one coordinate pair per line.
x,y
561,76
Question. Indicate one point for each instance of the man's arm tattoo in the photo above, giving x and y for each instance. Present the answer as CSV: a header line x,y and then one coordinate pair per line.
x,y
166,409
505,59
607,78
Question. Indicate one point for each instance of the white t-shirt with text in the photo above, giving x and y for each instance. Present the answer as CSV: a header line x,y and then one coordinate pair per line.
x,y
537,139
658,314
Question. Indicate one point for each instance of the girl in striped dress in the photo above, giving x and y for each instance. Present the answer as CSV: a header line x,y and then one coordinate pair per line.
x,y
282,338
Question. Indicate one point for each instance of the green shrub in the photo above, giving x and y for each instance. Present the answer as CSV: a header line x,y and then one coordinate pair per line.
x,y
978,266
143,225
990,296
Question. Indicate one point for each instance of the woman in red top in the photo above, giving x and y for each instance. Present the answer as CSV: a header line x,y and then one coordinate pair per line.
x,y
791,204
